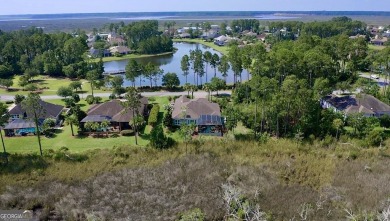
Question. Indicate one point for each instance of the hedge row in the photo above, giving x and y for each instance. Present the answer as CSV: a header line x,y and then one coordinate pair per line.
x,y
153,116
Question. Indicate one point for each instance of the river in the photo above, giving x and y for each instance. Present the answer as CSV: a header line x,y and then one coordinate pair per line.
x,y
171,63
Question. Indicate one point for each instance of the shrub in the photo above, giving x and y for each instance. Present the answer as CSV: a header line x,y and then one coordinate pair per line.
x,y
93,100
90,99
76,97
151,99
168,121
98,100
192,215
112,97
9,102
19,98
153,116
69,102
158,139
127,132
375,137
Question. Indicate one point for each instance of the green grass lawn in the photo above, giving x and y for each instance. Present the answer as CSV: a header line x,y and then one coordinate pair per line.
x,y
130,56
221,49
376,47
63,138
51,85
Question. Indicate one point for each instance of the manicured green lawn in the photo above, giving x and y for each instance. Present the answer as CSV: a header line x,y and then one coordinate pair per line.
x,y
83,104
222,49
130,56
64,138
29,144
51,85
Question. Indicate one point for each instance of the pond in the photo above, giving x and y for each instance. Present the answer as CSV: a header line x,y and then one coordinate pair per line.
x,y
171,63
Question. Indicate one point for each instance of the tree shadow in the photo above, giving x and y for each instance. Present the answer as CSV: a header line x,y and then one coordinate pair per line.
x,y
81,92
12,89
144,136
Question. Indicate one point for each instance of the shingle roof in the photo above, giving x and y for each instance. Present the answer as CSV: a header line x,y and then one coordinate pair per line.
x,y
19,124
115,110
362,104
120,49
95,118
194,108
50,110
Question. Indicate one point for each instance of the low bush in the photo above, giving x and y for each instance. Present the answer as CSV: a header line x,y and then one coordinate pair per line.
x,y
112,97
93,100
153,116
89,99
127,132
9,102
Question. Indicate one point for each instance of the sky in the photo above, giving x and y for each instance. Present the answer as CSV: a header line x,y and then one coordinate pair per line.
x,y
94,6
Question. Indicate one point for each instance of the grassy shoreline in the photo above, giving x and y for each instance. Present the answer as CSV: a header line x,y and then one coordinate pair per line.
x,y
221,49
132,56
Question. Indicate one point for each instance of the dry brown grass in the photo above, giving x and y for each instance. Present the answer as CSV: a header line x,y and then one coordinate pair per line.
x,y
146,184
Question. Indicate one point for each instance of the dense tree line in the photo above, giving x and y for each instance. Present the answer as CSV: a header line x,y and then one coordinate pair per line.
x,y
245,24
282,97
144,37
33,52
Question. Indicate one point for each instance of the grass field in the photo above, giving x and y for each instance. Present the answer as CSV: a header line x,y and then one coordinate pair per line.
x,y
63,137
130,56
376,47
50,84
222,49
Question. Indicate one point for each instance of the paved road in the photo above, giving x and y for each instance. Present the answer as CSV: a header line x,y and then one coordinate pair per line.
x,y
146,94
381,80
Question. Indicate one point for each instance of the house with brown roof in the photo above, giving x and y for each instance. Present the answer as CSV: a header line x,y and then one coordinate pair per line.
x,y
204,114
114,112
120,50
380,41
364,104
21,123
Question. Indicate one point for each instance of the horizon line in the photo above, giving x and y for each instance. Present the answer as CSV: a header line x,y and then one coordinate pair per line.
x,y
70,13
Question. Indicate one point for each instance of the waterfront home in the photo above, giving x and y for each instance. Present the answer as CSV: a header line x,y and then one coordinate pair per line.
x,y
364,104
204,114
115,113
20,123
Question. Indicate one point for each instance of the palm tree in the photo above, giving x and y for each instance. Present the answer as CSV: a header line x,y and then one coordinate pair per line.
x,y
71,120
105,124
207,87
187,87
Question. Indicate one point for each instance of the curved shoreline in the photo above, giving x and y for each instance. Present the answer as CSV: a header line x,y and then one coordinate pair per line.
x,y
220,49
133,56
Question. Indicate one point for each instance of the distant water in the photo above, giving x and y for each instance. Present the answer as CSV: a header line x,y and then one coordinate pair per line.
x,y
172,63
261,15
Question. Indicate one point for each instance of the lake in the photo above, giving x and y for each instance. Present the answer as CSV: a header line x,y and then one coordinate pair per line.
x,y
171,63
